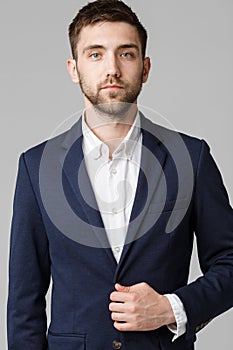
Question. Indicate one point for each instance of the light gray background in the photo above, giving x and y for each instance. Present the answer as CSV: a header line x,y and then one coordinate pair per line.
x,y
191,84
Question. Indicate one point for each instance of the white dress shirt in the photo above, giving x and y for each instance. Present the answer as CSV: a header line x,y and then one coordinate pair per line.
x,y
114,183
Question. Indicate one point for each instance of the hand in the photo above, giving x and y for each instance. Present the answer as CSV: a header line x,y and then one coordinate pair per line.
x,y
139,308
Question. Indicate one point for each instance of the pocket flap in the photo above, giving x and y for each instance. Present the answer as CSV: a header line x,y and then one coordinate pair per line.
x,y
66,341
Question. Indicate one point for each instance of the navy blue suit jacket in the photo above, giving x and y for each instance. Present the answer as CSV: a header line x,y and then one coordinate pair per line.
x,y
57,232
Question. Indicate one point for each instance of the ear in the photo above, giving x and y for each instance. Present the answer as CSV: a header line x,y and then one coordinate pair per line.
x,y
72,69
146,69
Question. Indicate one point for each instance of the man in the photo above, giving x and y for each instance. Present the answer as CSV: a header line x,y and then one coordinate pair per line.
x,y
109,209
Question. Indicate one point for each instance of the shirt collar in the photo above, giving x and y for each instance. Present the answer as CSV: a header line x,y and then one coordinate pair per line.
x,y
125,148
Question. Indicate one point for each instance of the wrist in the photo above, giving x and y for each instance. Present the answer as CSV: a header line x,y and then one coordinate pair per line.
x,y
169,314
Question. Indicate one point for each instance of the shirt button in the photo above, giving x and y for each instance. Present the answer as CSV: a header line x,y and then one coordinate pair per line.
x,y
117,249
113,171
116,344
114,211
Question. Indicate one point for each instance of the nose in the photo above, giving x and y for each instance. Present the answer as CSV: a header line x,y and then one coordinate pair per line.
x,y
112,67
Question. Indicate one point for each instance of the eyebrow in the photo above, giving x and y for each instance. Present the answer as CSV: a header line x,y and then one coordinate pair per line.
x,y
129,46
101,47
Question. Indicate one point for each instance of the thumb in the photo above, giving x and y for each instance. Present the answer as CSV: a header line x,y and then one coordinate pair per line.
x,y
121,288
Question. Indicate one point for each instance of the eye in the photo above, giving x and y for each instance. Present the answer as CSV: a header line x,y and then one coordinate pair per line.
x,y
126,55
95,55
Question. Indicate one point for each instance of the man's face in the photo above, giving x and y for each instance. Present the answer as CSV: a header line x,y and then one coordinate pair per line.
x,y
110,68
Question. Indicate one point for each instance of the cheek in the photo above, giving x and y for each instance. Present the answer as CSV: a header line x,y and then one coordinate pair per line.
x,y
93,75
87,76
135,72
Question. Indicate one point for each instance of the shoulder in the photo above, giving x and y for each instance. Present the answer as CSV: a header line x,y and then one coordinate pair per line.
x,y
171,139
53,145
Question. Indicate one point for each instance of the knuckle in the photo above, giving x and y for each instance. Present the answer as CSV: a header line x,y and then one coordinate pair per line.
x,y
136,320
133,309
134,297
143,284
138,324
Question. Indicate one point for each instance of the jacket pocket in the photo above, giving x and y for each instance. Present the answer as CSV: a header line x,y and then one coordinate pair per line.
x,y
62,341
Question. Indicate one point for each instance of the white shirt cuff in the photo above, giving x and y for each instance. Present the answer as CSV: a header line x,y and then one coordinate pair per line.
x,y
178,328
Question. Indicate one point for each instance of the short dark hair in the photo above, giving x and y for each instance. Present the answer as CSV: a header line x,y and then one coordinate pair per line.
x,y
105,11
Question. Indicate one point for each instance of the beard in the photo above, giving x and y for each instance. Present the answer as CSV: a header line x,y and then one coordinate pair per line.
x,y
114,104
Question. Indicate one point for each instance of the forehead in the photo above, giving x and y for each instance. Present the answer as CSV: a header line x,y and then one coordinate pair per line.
x,y
108,34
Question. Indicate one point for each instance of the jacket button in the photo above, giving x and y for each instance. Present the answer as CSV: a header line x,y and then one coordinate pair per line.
x,y
116,344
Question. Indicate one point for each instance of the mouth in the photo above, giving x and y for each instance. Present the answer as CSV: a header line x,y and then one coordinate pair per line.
x,y
112,87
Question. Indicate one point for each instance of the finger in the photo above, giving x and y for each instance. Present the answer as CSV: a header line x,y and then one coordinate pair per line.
x,y
120,297
124,326
121,288
118,307
119,317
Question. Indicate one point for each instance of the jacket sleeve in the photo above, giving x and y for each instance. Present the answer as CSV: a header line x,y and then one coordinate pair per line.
x,y
212,293
29,269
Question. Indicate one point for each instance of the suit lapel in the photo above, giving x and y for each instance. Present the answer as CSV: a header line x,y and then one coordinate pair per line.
x,y
74,169
150,180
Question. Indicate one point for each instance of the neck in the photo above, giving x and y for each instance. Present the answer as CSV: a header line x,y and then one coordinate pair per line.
x,y
110,130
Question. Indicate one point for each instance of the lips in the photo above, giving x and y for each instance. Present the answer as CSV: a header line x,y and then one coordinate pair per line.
x,y
111,87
